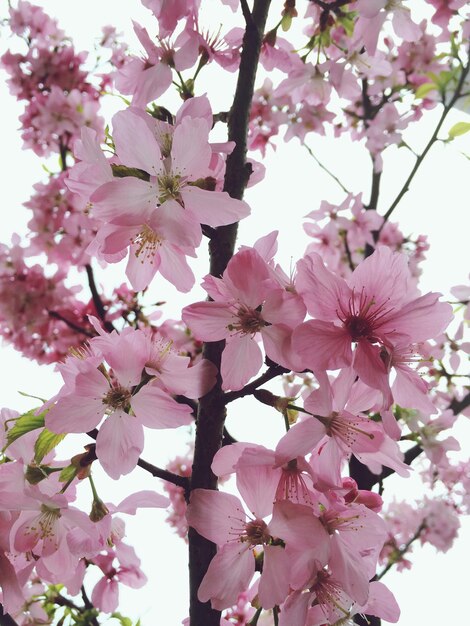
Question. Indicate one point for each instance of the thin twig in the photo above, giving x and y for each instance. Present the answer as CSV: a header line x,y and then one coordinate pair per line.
x,y
431,142
72,325
99,306
157,472
325,169
247,390
402,551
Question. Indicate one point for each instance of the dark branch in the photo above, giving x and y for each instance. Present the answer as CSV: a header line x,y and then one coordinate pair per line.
x,y
431,142
72,325
6,619
99,306
157,472
212,410
247,390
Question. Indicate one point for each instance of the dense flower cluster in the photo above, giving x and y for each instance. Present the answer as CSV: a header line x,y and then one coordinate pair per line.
x,y
371,369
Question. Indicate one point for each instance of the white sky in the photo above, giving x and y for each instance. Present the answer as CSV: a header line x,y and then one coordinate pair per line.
x,y
432,593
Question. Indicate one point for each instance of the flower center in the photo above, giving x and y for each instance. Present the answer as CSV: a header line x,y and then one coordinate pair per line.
x,y
249,321
46,521
117,398
169,187
148,242
256,532
362,316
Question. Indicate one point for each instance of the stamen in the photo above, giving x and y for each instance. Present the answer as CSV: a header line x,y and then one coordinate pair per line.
x,y
148,242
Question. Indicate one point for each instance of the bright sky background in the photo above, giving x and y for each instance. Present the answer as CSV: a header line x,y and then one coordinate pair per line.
x,y
432,593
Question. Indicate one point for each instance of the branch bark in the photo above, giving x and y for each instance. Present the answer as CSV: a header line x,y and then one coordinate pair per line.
x,y
211,413
6,619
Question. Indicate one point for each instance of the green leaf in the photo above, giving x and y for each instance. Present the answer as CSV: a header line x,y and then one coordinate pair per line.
x,y
459,129
25,424
68,473
424,89
46,442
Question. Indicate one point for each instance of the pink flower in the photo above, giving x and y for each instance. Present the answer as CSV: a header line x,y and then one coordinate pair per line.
x,y
373,309
220,518
91,392
246,301
160,217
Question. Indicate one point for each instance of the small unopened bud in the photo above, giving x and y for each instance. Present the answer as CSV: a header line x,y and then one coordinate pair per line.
x,y
98,510
266,397
270,38
84,460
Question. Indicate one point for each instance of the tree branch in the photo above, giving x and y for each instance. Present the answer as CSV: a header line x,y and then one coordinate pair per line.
x,y
268,375
325,169
420,158
6,619
72,325
402,551
99,306
157,472
212,411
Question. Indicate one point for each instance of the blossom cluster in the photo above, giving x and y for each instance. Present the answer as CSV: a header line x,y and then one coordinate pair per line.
x,y
370,368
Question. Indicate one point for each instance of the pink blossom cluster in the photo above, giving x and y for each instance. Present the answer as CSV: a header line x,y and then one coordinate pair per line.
x,y
176,518
342,233
39,314
316,548
129,379
432,520
367,359
372,74
59,227
49,76
167,184
44,536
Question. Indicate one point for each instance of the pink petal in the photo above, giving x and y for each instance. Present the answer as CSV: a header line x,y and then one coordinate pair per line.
x,y
301,438
142,499
410,391
248,276
75,414
294,610
190,151
141,269
226,458
105,595
151,84
421,319
192,382
322,345
135,143
124,201
241,360
229,573
284,307
214,208
156,409
175,268
214,513
257,486
322,291
208,321
119,444
349,570
382,603
372,370
274,583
